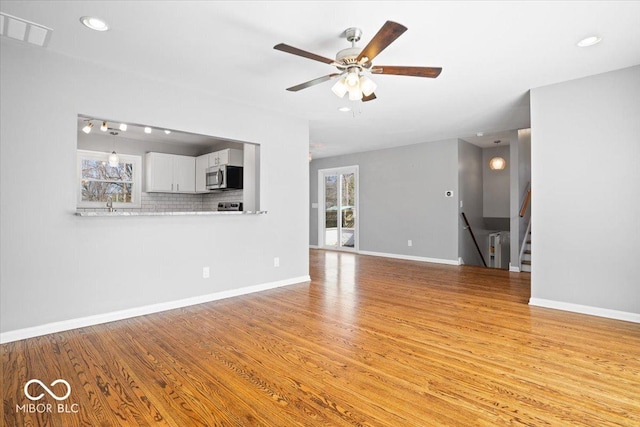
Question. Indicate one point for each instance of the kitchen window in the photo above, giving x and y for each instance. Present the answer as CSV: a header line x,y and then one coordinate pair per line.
x,y
99,183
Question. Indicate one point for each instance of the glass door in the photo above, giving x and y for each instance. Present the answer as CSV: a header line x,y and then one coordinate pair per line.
x,y
338,227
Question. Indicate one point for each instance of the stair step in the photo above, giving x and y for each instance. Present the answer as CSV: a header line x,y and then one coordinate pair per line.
x,y
527,252
526,262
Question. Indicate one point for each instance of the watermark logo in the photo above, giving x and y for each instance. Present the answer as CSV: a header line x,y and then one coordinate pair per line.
x,y
59,408
52,394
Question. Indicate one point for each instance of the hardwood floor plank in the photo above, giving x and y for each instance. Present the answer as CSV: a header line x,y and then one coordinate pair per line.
x,y
369,342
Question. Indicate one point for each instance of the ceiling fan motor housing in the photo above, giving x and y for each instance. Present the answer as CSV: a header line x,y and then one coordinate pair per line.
x,y
348,56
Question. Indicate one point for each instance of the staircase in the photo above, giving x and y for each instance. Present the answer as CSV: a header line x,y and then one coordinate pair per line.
x,y
526,254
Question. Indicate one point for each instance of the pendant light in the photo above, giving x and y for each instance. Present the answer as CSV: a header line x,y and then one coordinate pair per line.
x,y
497,163
114,159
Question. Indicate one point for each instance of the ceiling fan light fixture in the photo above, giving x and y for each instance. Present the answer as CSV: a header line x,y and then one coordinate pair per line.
x,y
367,85
352,80
355,94
340,88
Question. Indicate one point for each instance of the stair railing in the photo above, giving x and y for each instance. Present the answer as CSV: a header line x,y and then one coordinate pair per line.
x,y
526,201
474,238
523,211
524,244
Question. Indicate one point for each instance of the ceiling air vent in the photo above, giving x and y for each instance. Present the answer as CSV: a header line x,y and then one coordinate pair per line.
x,y
23,30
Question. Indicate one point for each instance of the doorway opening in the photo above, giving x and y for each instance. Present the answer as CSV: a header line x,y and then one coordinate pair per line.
x,y
338,213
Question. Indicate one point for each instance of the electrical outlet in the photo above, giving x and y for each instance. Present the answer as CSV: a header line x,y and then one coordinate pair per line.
x,y
409,243
206,272
276,262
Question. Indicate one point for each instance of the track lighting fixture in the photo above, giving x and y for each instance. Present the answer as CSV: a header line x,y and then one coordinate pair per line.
x,y
147,129
123,127
103,128
87,127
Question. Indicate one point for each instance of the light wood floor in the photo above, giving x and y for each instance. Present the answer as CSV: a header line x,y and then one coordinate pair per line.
x,y
370,342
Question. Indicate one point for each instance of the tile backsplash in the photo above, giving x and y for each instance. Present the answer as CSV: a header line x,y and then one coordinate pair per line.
x,y
175,202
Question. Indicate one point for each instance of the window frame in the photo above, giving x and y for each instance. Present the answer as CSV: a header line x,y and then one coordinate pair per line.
x,y
136,183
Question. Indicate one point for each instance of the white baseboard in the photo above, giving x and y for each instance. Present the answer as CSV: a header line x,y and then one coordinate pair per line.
x,y
586,309
97,319
314,247
412,258
513,269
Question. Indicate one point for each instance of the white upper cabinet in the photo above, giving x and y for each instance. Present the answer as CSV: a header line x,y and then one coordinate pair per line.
x,y
202,163
170,173
228,156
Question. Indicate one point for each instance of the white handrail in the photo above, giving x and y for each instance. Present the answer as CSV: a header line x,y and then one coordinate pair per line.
x,y
524,243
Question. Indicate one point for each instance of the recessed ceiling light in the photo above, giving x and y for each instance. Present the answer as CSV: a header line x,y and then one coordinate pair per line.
x,y
589,41
167,131
147,129
94,23
344,109
479,134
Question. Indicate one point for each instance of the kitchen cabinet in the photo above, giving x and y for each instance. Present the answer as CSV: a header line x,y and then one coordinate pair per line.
x,y
228,156
170,173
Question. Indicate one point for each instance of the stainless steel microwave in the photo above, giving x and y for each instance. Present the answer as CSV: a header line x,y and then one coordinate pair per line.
x,y
224,177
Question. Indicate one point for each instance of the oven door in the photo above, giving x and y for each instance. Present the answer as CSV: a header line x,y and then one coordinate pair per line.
x,y
213,178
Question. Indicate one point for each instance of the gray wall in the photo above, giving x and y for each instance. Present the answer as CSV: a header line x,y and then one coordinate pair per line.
x,y
470,187
585,147
402,197
56,266
495,183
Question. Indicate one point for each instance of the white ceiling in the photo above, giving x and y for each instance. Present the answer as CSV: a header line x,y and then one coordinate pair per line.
x,y
491,53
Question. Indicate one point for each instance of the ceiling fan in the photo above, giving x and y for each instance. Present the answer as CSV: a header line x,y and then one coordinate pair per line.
x,y
354,64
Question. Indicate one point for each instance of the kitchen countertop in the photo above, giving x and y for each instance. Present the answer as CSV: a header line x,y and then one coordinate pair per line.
x,y
200,213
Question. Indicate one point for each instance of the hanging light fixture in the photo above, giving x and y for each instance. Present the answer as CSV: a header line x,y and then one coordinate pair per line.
x,y
367,85
497,163
340,88
114,159
356,84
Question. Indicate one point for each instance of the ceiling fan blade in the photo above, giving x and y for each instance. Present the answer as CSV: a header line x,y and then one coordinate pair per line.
x,y
369,98
387,34
295,51
432,72
312,82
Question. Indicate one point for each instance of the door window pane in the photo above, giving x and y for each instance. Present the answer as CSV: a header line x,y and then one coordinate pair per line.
x,y
331,210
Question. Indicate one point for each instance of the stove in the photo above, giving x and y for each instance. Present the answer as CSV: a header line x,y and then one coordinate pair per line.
x,y
229,206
